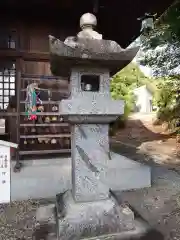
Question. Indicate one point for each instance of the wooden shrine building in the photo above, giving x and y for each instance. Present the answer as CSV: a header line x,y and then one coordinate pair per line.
x,y
24,59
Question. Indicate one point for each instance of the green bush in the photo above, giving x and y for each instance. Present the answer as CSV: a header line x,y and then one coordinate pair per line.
x,y
167,102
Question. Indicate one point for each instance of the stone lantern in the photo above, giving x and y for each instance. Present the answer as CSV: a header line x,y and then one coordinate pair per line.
x,y
88,61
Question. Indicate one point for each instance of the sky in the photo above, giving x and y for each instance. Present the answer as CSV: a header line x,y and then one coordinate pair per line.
x,y
146,70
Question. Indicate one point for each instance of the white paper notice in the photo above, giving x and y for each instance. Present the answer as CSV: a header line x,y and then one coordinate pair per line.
x,y
5,174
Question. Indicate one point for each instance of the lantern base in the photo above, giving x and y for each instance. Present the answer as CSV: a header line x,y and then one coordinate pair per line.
x,y
103,219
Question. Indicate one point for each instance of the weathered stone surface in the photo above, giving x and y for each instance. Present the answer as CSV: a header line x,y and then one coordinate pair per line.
x,y
43,231
46,213
46,223
90,106
94,48
90,142
75,82
89,210
88,49
91,149
93,219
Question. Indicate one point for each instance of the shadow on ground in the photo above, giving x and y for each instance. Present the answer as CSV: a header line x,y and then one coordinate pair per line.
x,y
132,153
142,140
137,133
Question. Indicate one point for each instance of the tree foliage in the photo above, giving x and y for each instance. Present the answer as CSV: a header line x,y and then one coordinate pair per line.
x,y
161,49
168,101
161,52
124,82
122,86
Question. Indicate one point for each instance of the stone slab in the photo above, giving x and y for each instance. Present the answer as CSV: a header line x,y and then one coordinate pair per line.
x,y
40,178
46,178
91,119
141,230
92,219
45,223
126,174
92,106
128,178
46,213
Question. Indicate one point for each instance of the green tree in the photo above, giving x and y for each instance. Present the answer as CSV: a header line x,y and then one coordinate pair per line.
x,y
161,52
123,83
168,101
122,86
161,49
126,80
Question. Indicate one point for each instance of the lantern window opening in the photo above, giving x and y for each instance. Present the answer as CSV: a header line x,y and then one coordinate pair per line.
x,y
90,82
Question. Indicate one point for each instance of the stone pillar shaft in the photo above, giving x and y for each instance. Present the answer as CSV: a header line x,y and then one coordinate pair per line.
x,y
90,152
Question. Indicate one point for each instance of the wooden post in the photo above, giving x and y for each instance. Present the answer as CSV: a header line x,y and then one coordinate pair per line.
x,y
19,65
19,68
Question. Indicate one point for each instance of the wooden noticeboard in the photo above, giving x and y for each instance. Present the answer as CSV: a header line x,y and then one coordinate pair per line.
x,y
5,171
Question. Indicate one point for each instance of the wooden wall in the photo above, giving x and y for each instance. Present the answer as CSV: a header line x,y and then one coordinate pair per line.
x,y
37,67
35,40
33,36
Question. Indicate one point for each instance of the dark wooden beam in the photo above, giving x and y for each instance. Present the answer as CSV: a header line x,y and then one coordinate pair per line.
x,y
25,55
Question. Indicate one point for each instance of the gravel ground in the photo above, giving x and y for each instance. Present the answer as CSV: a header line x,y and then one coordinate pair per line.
x,y
17,220
159,205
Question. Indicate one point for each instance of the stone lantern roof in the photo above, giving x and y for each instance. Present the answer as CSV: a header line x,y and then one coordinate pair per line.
x,y
88,49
